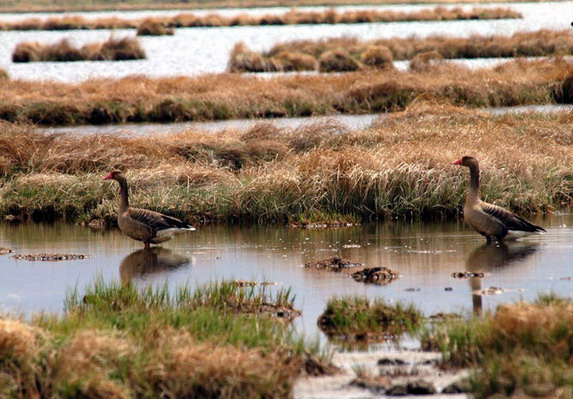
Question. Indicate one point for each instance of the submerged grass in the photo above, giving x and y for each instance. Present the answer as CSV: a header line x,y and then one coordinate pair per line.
x,y
520,350
109,50
359,318
227,96
522,44
116,341
400,168
293,17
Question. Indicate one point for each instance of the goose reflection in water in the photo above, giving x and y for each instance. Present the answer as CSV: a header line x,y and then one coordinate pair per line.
x,y
490,256
148,261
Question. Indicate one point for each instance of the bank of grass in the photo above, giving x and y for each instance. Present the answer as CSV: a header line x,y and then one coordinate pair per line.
x,y
399,168
229,96
102,5
522,44
520,350
63,51
358,318
116,341
293,17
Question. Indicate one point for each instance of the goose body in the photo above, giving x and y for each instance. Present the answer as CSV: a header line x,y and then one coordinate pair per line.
x,y
491,221
142,224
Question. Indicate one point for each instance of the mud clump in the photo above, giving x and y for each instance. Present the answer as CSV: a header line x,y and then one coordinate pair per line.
x,y
333,264
50,257
468,275
376,275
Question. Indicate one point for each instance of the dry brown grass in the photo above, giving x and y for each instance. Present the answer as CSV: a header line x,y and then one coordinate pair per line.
x,y
227,96
522,44
63,51
400,168
99,5
293,17
153,27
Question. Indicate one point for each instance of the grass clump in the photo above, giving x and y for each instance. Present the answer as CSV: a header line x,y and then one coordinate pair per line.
x,y
116,341
522,44
229,96
337,60
359,318
520,350
399,168
152,27
156,26
377,57
63,51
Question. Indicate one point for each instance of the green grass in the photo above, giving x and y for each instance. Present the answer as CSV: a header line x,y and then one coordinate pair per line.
x,y
360,318
116,341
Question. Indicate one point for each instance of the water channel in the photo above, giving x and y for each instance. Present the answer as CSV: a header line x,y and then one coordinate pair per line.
x,y
426,254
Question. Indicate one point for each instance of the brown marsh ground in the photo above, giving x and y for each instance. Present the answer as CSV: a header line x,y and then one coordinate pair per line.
x,y
312,55
63,51
293,17
229,96
322,172
100,5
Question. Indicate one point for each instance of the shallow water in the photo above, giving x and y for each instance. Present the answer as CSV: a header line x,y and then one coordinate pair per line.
x,y
425,253
353,122
194,51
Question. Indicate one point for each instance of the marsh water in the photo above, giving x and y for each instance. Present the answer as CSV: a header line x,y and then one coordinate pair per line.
x,y
426,254
193,51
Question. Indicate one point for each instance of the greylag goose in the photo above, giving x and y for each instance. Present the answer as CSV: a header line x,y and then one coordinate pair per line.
x,y
491,221
142,224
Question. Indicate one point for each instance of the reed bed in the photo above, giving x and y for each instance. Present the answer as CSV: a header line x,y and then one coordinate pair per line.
x,y
228,96
293,17
116,341
399,168
520,350
102,5
63,51
522,44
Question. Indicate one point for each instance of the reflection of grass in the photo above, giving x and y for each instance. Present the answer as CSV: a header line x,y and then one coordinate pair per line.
x,y
293,17
319,172
358,317
227,96
520,349
114,341
521,44
109,50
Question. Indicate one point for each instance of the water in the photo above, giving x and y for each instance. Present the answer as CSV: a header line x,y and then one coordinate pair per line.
x,y
194,51
353,122
425,253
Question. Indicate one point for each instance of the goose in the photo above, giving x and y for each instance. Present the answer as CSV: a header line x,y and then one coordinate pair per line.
x,y
493,222
142,224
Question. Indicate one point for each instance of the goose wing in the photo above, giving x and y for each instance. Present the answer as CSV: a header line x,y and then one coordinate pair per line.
x,y
510,220
158,221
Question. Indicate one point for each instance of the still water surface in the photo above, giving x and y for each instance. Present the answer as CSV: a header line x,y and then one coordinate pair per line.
x,y
425,253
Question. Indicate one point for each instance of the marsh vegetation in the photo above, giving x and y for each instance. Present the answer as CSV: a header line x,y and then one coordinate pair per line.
x,y
319,54
63,51
114,340
293,17
321,172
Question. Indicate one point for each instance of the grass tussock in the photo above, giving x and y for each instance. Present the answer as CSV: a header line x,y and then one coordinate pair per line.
x,y
293,17
521,350
521,44
399,168
152,27
115,341
360,318
231,96
63,51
